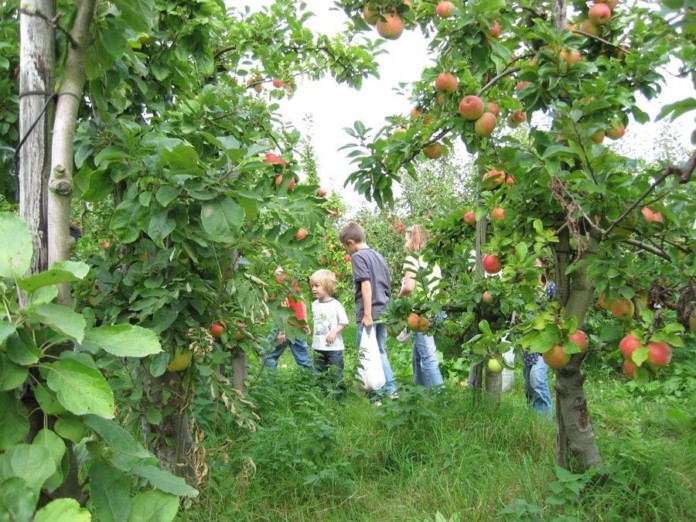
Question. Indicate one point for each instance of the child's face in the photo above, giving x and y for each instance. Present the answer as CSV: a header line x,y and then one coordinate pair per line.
x,y
318,291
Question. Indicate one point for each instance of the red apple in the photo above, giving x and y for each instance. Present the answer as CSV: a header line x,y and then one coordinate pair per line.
x,y
469,217
521,85
516,117
629,344
346,258
659,354
485,125
491,264
444,9
556,357
471,107
493,179
277,83
301,234
630,368
579,338
400,227
493,108
599,14
488,297
616,131
106,245
391,27
433,151
274,159
622,309
570,56
498,213
321,192
494,31
446,82
588,27
217,330
611,3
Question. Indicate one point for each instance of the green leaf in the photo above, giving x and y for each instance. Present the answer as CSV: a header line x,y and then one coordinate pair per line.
x,y
70,427
109,493
17,500
166,194
14,422
161,225
6,329
165,481
22,349
31,463
639,356
80,389
60,272
130,452
11,375
154,506
17,249
58,318
677,109
56,447
124,220
63,510
221,219
123,340
48,400
138,14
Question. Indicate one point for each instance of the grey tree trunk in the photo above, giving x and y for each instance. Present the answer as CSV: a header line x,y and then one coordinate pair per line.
x,y
574,430
62,147
36,89
239,369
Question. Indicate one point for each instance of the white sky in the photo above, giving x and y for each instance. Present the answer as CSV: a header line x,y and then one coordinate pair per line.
x,y
333,107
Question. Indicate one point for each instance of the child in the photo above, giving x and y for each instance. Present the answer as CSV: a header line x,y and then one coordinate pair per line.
x,y
372,292
298,346
426,368
329,321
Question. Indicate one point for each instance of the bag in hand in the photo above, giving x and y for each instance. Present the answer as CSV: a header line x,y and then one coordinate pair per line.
x,y
370,371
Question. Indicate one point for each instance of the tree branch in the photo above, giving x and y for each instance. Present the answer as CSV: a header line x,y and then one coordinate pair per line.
x,y
648,248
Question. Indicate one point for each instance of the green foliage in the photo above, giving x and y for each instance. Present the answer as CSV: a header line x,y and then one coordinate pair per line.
x,y
49,353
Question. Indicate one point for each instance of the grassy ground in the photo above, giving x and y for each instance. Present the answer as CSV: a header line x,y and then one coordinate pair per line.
x,y
451,456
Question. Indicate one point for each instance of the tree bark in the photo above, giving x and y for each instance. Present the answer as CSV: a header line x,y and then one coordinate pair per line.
x,y
171,440
574,430
239,369
61,175
36,89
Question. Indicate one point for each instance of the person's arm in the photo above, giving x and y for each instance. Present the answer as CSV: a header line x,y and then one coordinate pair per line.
x,y
366,290
331,336
408,283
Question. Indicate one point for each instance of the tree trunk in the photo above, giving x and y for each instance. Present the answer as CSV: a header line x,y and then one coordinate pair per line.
x,y
61,176
239,370
574,431
171,440
36,88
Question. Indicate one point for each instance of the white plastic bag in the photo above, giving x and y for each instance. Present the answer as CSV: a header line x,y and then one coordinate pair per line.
x,y
370,372
508,375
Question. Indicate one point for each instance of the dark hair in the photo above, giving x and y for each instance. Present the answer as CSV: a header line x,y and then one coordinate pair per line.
x,y
351,231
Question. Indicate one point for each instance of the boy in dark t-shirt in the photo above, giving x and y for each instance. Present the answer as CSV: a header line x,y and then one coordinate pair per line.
x,y
372,292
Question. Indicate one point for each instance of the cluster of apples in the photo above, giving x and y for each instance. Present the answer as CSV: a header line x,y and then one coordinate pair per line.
x,y
417,323
599,14
556,357
659,354
622,308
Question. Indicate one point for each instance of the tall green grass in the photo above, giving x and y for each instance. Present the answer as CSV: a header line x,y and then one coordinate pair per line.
x,y
452,455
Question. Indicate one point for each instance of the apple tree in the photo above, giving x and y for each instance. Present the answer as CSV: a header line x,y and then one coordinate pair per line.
x,y
571,74
165,113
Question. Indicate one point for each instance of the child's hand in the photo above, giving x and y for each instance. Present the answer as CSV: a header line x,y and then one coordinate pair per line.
x,y
307,330
281,337
331,337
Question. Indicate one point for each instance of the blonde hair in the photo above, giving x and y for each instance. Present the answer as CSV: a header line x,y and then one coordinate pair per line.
x,y
351,231
326,279
416,236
